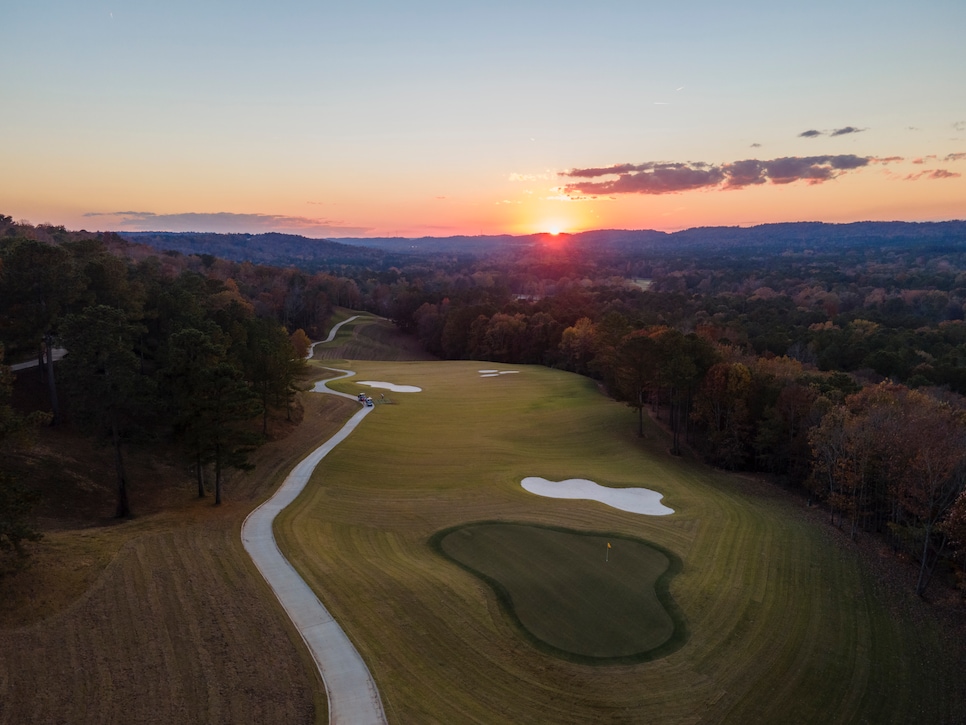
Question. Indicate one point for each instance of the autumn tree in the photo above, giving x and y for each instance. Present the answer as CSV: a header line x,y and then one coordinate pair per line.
x,y
954,526
301,344
578,344
722,407
682,362
895,454
504,338
636,371
933,477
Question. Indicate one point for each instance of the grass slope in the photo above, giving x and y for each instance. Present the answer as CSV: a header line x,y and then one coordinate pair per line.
x,y
785,625
162,618
369,338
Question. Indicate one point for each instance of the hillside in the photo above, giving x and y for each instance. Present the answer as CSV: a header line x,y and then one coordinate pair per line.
x,y
272,248
159,618
383,252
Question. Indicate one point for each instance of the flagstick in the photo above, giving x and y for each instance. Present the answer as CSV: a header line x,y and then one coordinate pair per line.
x,y
607,555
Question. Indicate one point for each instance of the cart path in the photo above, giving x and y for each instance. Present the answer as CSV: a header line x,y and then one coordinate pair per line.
x,y
352,693
330,338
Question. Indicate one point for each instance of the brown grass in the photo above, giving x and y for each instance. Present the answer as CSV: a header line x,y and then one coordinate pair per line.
x,y
161,618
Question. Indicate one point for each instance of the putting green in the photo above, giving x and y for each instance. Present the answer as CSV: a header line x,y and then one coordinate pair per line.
x,y
570,592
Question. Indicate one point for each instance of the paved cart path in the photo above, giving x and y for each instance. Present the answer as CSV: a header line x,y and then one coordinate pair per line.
x,y
352,693
330,338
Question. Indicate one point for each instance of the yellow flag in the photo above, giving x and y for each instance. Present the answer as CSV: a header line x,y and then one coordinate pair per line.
x,y
608,544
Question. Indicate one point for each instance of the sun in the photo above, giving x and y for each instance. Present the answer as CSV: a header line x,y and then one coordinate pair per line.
x,y
553,231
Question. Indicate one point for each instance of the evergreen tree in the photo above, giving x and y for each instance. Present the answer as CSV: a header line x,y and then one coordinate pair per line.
x,y
224,421
38,284
16,500
109,395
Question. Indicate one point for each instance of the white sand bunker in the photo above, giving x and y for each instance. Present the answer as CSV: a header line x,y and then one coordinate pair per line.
x,y
496,373
391,386
635,500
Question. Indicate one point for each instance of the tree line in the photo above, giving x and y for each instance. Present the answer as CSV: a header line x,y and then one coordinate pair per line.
x,y
155,352
818,366
822,431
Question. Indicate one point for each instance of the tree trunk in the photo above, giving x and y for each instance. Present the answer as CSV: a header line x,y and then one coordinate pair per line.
x,y
123,507
199,469
923,579
51,384
217,474
640,413
675,426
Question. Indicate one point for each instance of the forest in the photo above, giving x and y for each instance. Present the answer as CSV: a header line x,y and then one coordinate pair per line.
x,y
830,359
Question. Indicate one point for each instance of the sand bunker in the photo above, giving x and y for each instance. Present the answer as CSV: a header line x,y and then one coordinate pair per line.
x,y
634,500
391,386
496,373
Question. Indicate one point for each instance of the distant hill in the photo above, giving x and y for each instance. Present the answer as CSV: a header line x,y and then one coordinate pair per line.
x,y
271,248
291,249
765,237
820,235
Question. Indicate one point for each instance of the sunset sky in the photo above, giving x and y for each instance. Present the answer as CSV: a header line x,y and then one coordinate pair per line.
x,y
438,118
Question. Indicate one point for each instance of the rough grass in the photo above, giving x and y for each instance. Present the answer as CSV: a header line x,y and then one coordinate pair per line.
x,y
370,338
162,618
786,626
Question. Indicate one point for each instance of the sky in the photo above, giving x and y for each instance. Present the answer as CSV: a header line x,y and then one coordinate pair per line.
x,y
371,118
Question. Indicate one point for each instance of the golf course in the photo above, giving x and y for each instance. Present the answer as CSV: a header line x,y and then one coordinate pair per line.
x,y
500,546
758,617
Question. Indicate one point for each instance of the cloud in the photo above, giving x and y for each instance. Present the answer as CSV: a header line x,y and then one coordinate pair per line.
x,y
654,178
844,131
756,146
934,174
227,222
889,160
670,178
960,125
955,157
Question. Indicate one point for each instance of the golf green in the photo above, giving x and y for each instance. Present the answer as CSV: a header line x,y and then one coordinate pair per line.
x,y
586,596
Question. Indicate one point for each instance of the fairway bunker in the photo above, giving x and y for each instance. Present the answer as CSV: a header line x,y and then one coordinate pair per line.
x,y
589,597
634,500
392,387
496,373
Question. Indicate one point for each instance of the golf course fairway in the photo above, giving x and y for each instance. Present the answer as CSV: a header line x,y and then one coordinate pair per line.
x,y
784,624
